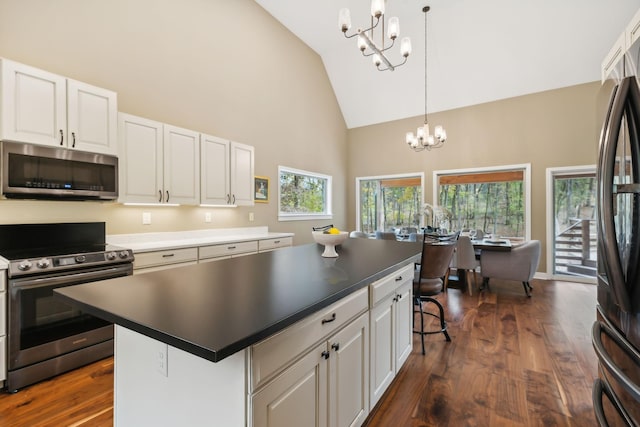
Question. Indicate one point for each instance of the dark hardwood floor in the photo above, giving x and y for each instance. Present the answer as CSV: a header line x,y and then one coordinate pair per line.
x,y
512,361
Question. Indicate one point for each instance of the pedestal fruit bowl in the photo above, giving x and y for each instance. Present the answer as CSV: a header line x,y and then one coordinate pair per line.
x,y
330,241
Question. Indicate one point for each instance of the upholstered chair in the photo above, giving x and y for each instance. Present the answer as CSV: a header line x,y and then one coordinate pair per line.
x,y
465,263
519,264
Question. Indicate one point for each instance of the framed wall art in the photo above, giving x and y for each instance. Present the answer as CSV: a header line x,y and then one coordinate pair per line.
x,y
261,187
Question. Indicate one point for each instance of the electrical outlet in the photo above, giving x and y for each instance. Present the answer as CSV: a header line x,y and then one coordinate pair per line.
x,y
146,218
161,362
207,217
251,217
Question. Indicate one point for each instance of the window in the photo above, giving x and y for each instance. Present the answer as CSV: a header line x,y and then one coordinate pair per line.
x,y
494,200
389,202
303,195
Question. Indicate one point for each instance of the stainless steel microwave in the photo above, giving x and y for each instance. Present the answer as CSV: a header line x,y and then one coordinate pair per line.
x,y
40,172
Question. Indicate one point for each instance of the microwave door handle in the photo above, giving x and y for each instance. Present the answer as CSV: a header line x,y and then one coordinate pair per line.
x,y
606,168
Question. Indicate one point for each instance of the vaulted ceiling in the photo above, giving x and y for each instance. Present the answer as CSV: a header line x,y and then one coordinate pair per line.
x,y
478,51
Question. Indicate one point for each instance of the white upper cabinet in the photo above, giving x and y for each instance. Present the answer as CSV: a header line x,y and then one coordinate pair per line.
x,y
158,163
44,108
214,170
181,166
242,166
226,172
91,118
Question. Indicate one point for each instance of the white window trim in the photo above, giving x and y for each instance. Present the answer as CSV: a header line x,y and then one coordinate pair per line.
x,y
551,174
526,167
302,216
379,177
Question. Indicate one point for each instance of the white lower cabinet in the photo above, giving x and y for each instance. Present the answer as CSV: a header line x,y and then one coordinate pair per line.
x,y
297,397
227,250
272,244
328,386
390,329
147,262
316,372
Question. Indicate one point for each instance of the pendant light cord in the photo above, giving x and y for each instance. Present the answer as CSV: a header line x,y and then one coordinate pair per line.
x,y
425,10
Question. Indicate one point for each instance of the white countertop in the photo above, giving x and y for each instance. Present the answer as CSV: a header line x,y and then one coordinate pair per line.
x,y
147,242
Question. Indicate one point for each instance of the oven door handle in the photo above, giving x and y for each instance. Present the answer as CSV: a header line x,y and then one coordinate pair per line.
x,y
84,276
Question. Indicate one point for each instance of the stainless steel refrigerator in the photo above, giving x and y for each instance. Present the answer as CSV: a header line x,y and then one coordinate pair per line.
x,y
616,332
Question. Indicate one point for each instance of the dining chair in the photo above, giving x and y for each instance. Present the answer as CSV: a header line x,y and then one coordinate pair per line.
x,y
428,282
464,261
386,235
518,264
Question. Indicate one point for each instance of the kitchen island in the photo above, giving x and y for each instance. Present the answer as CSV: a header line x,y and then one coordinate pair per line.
x,y
202,344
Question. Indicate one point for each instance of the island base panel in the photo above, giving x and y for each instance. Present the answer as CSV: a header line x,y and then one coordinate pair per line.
x,y
193,392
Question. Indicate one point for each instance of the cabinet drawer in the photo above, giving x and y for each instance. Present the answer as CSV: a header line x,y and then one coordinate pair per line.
x,y
388,284
215,251
162,267
273,354
270,244
151,259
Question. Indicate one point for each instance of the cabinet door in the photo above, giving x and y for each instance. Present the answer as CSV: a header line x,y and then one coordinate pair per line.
x,y
349,374
382,347
33,105
403,324
297,397
215,186
242,174
181,166
91,118
140,159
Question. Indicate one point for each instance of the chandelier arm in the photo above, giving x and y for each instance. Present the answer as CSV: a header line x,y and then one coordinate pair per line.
x,y
362,31
393,41
371,45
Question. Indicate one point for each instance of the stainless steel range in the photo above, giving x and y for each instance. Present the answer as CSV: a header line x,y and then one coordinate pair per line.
x,y
45,335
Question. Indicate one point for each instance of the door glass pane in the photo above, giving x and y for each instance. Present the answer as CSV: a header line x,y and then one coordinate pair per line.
x,y
575,227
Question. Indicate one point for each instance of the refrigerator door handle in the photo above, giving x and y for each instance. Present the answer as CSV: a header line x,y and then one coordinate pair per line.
x,y
608,363
601,388
606,195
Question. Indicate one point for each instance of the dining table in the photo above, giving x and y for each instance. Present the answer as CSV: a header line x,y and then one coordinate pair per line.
x,y
502,245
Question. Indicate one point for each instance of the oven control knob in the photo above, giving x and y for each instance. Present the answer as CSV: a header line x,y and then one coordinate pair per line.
x,y
111,256
81,258
43,263
124,254
24,265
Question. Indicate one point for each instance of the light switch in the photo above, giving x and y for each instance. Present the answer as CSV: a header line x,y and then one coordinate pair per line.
x,y
207,217
251,217
146,218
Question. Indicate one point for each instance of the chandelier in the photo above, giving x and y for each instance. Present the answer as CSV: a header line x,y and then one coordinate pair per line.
x,y
423,140
365,37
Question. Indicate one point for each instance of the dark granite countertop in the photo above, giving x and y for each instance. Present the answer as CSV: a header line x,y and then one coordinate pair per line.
x,y
215,309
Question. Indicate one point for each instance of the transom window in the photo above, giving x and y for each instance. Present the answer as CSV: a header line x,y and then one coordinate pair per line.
x,y
494,200
303,195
